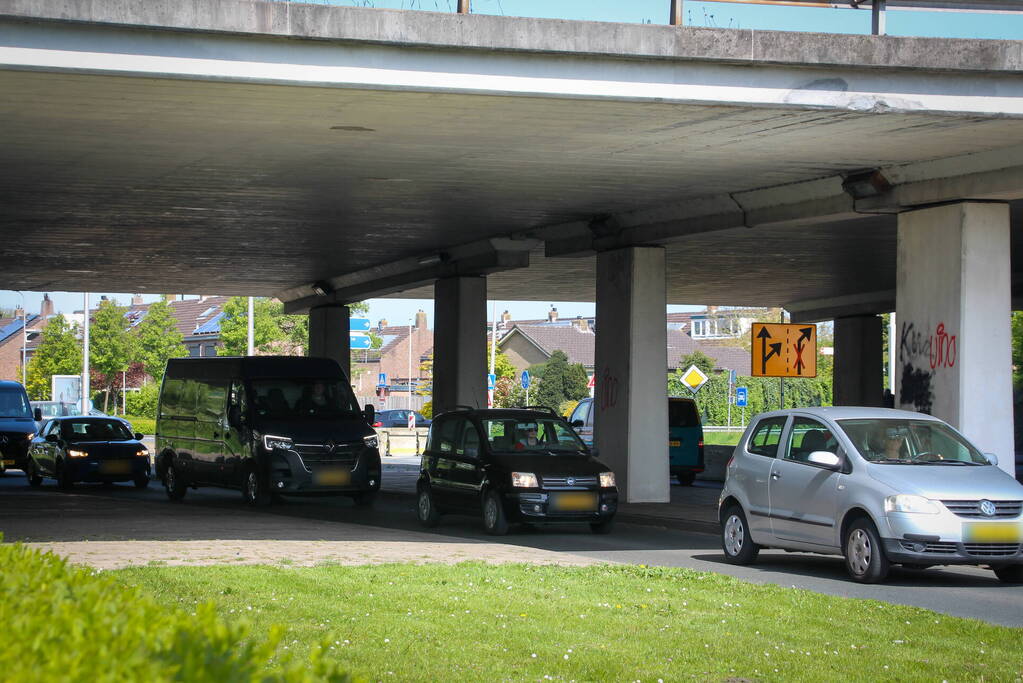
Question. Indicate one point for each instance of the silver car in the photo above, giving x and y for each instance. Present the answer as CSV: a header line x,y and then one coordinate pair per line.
x,y
875,485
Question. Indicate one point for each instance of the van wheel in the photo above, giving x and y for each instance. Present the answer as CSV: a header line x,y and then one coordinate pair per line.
x,y
494,520
255,490
686,478
429,515
735,538
864,557
35,480
172,482
141,482
1011,574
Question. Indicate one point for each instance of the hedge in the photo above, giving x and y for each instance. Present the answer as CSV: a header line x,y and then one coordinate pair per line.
x,y
73,624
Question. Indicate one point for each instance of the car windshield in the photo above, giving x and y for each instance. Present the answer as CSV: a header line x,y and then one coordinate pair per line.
x,y
544,436
94,430
303,397
910,442
55,409
13,403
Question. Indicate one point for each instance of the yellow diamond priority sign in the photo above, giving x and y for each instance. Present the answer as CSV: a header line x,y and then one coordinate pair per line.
x,y
694,378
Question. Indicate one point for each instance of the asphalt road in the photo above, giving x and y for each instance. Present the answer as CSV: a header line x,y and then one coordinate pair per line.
x,y
120,512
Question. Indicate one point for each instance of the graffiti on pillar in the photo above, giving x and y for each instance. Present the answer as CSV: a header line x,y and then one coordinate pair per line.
x,y
607,388
921,355
943,349
915,388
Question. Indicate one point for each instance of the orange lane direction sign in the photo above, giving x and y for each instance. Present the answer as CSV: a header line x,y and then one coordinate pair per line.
x,y
784,350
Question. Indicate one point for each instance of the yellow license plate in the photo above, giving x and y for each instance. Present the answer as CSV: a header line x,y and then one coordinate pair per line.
x,y
992,532
573,502
115,467
8,463
674,444
332,477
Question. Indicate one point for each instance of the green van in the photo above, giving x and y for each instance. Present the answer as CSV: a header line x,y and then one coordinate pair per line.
x,y
685,439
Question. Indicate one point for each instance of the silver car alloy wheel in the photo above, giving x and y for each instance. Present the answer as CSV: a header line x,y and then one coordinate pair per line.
x,y
735,535
168,478
859,552
252,486
490,512
424,505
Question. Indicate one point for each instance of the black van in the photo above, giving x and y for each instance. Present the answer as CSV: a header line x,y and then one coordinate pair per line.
x,y
16,425
266,425
513,465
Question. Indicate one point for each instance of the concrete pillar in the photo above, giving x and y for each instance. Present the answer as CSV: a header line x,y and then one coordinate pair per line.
x,y
631,423
328,335
954,338
859,361
460,343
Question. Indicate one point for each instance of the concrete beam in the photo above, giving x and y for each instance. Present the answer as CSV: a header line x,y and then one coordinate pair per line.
x,y
460,343
818,310
329,335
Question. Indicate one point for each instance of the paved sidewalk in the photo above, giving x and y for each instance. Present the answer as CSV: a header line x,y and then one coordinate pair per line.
x,y
692,508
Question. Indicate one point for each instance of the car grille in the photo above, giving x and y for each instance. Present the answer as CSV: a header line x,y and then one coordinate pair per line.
x,y
562,482
971,508
991,549
314,453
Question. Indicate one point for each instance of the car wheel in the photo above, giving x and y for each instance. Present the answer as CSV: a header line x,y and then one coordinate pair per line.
x,y
64,482
735,538
35,480
864,555
494,520
429,515
364,498
686,478
173,484
1011,574
602,528
255,490
141,482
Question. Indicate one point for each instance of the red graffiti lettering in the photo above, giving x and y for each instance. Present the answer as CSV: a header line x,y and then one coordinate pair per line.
x,y
608,388
943,348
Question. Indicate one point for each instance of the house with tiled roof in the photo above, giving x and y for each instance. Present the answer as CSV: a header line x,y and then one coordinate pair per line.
x,y
197,319
392,358
19,338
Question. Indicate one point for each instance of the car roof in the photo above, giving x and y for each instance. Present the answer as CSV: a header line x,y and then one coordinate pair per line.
x,y
498,413
850,412
10,384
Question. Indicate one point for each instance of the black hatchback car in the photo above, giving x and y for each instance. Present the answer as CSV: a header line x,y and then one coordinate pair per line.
x,y
91,449
513,465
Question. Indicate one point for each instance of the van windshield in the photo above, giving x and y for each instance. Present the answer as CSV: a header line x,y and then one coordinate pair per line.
x,y
303,397
682,414
14,403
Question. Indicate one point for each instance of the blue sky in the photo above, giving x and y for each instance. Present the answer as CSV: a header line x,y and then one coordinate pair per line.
x,y
722,15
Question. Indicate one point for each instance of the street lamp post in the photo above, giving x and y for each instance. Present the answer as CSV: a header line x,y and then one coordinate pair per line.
x,y
24,338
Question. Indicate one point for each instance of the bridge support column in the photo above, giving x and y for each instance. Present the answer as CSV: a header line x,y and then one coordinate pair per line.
x,y
460,343
328,335
858,374
631,423
954,356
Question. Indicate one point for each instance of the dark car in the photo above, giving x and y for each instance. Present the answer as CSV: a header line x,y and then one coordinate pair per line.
x,y
513,465
399,418
90,449
16,425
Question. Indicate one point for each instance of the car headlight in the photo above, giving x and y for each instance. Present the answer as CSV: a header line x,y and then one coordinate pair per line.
x,y
142,453
607,480
77,454
525,480
274,442
371,441
907,503
29,436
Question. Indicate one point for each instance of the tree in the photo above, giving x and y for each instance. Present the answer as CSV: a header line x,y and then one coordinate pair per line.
x,y
59,353
110,346
234,332
701,360
502,366
561,381
157,339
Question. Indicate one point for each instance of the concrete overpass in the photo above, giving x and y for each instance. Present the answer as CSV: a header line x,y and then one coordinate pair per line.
x,y
275,148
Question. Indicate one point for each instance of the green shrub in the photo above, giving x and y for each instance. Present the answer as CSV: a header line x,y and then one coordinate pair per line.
x,y
73,624
145,425
143,402
427,410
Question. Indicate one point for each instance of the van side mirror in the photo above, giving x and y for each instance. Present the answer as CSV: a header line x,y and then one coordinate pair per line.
x,y
370,413
991,458
37,414
825,459
139,436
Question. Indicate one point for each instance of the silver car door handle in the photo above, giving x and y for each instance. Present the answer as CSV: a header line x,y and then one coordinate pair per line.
x,y
775,475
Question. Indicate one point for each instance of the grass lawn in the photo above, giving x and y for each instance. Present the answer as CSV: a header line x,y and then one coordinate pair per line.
x,y
722,438
146,425
622,623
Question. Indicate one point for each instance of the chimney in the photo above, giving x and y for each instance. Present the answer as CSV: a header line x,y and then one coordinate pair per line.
x,y
381,324
136,299
46,310
505,317
552,315
711,310
581,324
103,298
19,312
420,319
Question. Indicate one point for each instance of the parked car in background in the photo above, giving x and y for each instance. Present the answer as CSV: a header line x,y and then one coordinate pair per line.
x,y
582,420
513,465
685,440
89,449
399,418
878,486
16,425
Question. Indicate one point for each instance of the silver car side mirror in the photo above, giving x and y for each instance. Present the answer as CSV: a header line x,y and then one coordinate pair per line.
x,y
991,458
825,459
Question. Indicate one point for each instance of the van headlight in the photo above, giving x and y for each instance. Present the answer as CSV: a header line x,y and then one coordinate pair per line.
x,y
274,442
524,480
907,503
371,441
607,480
